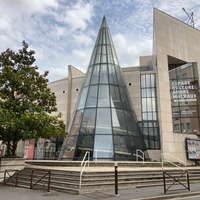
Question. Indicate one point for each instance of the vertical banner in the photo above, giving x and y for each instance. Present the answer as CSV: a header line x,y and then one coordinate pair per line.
x,y
40,148
26,145
31,149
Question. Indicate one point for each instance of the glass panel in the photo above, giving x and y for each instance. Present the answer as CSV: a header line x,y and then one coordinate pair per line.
x,y
84,143
153,81
104,49
122,145
153,92
103,98
68,148
187,111
114,56
155,116
104,36
112,74
95,75
133,128
103,74
148,80
119,76
118,121
99,39
149,104
92,59
103,121
107,38
92,96
103,146
110,58
150,116
144,105
144,92
143,81
98,57
125,98
144,116
88,123
76,124
83,98
148,92
153,104
88,76
103,58
115,97
98,54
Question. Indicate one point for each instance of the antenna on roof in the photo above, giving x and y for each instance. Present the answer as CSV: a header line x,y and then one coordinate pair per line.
x,y
191,17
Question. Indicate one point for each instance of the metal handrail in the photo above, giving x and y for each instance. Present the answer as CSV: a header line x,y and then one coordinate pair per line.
x,y
137,155
179,160
83,164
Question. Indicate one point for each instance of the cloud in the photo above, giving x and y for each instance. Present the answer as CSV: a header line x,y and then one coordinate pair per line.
x,y
28,7
129,51
63,32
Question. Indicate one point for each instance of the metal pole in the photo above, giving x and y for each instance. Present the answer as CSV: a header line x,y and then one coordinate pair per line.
x,y
164,182
116,179
49,181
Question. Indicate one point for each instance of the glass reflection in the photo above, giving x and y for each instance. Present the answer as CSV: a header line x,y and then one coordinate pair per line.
x,y
118,121
103,121
95,75
115,97
103,98
103,147
92,96
88,123
83,96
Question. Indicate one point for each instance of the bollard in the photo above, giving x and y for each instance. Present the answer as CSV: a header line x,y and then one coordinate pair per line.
x,y
116,179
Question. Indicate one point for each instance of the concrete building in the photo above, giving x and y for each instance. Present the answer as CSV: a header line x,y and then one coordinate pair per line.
x,y
164,91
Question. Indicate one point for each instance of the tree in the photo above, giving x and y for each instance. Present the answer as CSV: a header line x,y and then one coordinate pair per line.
x,y
26,102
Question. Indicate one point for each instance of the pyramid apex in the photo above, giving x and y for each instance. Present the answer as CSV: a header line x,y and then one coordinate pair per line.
x,y
104,22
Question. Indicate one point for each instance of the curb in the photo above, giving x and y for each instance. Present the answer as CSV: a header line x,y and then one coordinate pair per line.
x,y
171,196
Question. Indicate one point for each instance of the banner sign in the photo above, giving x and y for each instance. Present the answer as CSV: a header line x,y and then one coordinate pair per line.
x,y
193,149
183,91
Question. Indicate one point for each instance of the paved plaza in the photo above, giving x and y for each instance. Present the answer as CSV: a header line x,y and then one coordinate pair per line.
x,y
147,193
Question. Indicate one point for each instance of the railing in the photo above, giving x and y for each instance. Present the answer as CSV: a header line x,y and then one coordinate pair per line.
x,y
175,158
139,156
83,164
40,179
13,177
172,175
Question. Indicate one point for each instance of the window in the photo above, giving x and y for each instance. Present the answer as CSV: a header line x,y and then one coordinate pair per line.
x,y
149,125
188,126
185,106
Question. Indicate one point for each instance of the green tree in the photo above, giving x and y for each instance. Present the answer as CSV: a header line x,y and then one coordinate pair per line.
x,y
26,102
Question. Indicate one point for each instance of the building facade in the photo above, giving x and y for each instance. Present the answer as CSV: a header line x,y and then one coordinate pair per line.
x,y
163,90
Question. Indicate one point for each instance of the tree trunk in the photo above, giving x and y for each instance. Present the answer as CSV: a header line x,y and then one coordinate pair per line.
x,y
14,148
8,151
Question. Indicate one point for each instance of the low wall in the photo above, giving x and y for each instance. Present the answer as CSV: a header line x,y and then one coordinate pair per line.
x,y
10,164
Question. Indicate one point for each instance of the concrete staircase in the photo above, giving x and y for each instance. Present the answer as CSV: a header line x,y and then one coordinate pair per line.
x,y
98,177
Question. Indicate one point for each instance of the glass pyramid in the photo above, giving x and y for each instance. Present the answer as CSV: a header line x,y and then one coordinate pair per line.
x,y
103,121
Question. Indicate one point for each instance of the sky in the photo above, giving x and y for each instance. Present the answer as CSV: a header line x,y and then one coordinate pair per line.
x,y
63,32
